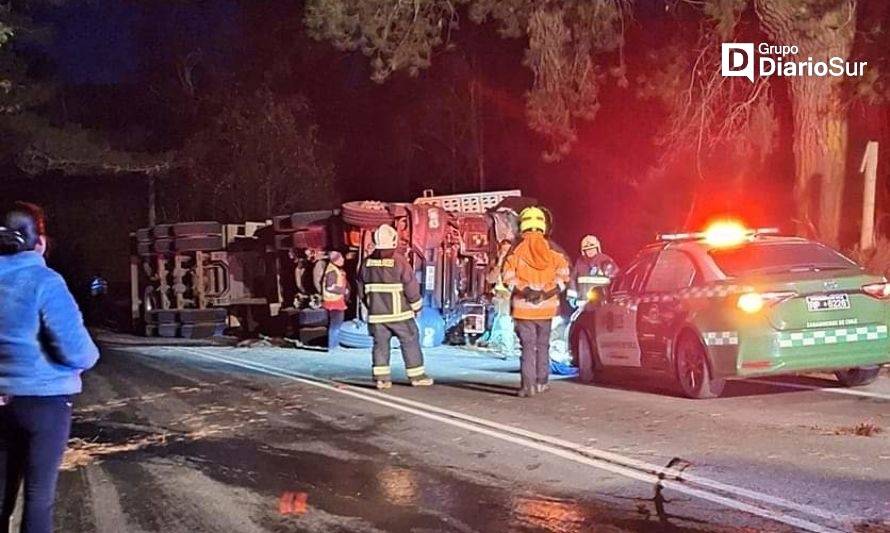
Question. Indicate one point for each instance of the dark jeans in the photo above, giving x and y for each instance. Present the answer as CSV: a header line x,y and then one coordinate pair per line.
x,y
534,336
335,322
33,435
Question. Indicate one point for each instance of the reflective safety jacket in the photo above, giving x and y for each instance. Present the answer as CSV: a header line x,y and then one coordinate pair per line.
x,y
389,288
587,271
535,271
335,288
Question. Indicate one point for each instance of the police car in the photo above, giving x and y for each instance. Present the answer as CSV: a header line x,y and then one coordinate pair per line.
x,y
733,303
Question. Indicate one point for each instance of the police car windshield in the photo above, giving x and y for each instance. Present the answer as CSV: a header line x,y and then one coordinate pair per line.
x,y
775,258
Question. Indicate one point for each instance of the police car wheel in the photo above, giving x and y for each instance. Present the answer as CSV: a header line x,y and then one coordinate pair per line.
x,y
857,377
693,372
589,369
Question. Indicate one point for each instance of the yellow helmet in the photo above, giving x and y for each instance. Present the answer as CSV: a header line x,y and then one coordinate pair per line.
x,y
590,242
532,219
386,237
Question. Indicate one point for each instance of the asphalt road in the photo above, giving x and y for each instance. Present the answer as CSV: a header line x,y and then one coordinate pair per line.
x,y
222,439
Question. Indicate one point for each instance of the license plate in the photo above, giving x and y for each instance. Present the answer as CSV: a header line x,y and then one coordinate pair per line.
x,y
828,302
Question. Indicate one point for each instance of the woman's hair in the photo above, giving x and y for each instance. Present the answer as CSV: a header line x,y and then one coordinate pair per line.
x,y
21,226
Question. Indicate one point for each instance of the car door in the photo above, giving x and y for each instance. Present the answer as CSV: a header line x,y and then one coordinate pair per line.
x,y
616,325
659,310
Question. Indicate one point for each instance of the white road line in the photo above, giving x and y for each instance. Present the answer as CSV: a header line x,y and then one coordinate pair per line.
x,y
599,459
832,390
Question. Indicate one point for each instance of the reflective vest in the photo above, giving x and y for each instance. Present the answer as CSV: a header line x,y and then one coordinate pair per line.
x,y
389,289
98,286
335,288
590,273
539,265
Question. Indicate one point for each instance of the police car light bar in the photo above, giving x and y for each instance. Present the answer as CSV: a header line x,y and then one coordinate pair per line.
x,y
699,235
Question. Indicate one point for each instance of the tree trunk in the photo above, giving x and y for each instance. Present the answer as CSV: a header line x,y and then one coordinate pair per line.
x,y
821,30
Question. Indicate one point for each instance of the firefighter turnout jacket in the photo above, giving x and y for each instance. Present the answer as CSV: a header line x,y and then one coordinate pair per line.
x,y
335,288
388,288
587,270
535,271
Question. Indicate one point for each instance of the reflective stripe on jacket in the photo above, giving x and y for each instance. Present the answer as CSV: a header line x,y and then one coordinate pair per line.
x,y
539,265
335,288
389,289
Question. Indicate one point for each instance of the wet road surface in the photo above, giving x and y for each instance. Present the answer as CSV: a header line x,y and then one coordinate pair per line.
x,y
166,440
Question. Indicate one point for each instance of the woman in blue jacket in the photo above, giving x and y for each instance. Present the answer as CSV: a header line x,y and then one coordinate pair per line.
x,y
44,348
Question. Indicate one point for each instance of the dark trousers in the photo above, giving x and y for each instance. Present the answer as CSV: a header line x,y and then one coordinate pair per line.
x,y
409,337
534,336
335,322
33,435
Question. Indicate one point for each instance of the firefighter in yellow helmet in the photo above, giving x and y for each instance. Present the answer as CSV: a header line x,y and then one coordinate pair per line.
x,y
589,270
535,271
392,295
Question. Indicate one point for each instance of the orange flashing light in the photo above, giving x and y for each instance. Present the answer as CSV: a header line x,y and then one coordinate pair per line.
x,y
724,234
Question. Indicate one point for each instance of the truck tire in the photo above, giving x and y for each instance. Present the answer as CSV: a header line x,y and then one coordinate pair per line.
x,y
194,316
162,246
168,330
187,229
354,334
366,214
312,317
161,231
202,330
164,316
198,244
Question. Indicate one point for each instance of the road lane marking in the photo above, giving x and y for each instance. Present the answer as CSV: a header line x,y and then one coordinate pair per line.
x,y
602,460
832,390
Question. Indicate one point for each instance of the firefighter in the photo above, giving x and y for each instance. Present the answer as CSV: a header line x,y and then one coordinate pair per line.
x,y
335,292
392,295
592,263
536,271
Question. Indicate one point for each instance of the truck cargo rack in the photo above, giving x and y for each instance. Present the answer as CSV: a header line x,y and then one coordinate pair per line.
x,y
467,203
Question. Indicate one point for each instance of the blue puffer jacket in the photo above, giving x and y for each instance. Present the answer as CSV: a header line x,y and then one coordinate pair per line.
x,y
44,346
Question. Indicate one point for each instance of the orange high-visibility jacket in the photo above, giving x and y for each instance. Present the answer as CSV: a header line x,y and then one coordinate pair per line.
x,y
537,264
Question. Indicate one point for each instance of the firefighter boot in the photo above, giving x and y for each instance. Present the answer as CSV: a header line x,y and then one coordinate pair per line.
x,y
421,381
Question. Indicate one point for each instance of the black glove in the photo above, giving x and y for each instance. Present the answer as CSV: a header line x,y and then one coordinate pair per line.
x,y
535,296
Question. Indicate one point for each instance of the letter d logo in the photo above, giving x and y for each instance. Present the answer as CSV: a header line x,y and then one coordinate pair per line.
x,y
738,60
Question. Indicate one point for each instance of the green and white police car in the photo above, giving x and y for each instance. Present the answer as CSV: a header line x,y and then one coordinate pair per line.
x,y
733,303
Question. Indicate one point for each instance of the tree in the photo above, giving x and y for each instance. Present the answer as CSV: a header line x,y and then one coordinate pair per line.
x,y
259,157
565,38
822,29
33,141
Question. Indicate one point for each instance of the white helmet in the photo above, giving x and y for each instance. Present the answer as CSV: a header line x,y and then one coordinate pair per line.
x,y
386,237
590,242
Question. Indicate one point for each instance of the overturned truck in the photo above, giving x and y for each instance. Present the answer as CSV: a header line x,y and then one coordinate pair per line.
x,y
197,279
